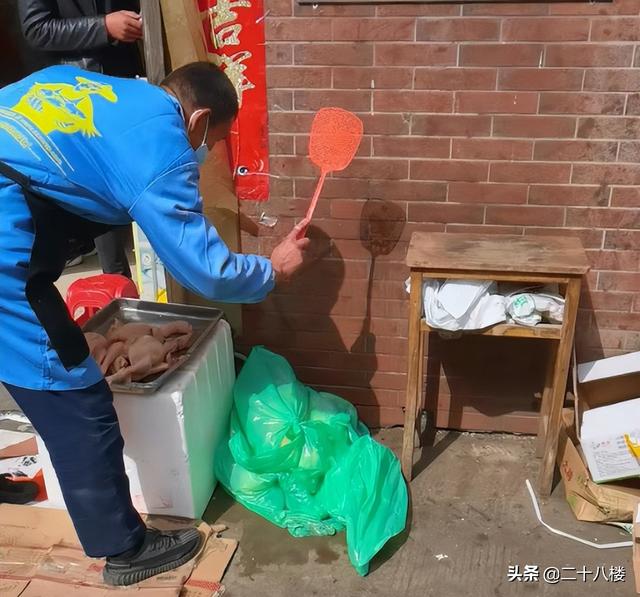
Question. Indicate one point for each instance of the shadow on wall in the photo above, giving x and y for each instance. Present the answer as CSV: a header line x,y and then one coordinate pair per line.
x,y
296,321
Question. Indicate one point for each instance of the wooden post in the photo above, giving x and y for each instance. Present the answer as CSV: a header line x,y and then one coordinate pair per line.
x,y
153,45
561,372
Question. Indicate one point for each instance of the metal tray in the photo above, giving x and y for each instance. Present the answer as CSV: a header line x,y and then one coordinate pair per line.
x,y
203,320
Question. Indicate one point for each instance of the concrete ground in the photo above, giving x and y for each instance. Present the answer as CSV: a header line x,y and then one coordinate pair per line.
x,y
470,519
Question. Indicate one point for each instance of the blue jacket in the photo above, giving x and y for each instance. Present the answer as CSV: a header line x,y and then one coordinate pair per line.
x,y
111,151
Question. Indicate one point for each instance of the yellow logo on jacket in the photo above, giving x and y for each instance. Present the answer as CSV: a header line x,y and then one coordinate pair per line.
x,y
64,107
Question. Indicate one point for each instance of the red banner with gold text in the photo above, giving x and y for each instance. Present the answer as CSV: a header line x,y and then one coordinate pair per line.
x,y
234,33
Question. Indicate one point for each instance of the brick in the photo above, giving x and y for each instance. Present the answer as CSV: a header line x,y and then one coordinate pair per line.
x,y
543,194
426,147
582,103
500,54
342,54
400,29
613,320
455,79
408,190
607,79
298,77
445,212
628,261
603,218
280,145
633,104
449,170
619,7
376,168
610,301
629,152
458,30
524,215
314,99
506,9
484,229
280,100
279,53
385,124
591,239
279,8
290,122
622,240
292,166
469,192
372,78
491,149
590,54
616,29
625,197
416,55
540,79
298,29
418,10
576,151
412,101
545,29
622,174
536,127
609,128
334,188
453,126
529,172
337,10
496,102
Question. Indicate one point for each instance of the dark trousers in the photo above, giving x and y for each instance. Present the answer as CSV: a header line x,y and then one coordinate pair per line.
x,y
80,429
112,253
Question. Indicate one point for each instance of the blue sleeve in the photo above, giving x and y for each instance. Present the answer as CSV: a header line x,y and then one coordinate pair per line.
x,y
169,211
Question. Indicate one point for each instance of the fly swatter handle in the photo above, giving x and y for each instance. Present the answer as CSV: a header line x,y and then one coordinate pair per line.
x,y
314,202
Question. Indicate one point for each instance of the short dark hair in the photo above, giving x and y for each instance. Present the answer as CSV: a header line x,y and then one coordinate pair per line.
x,y
204,85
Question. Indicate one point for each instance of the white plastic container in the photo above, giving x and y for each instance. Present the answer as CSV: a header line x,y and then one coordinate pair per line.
x,y
171,436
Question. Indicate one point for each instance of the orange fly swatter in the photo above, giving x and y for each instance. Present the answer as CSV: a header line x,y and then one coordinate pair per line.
x,y
335,137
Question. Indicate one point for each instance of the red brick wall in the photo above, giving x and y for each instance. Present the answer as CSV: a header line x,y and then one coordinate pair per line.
x,y
502,118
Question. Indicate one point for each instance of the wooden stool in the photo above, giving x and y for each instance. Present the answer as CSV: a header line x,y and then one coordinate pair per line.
x,y
528,259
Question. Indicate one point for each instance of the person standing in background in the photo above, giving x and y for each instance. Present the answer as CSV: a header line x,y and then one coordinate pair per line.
x,y
96,35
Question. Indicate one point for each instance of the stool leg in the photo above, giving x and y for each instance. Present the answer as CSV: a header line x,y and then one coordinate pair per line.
x,y
545,404
418,433
561,372
413,372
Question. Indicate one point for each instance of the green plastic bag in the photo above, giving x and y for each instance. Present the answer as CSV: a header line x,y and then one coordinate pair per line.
x,y
302,460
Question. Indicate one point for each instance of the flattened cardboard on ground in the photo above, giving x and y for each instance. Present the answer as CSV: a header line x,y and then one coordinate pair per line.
x,y
17,443
593,502
40,556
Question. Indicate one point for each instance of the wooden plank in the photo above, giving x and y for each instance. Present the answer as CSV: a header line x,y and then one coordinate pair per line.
x,y
185,35
557,395
501,253
544,331
496,276
153,45
545,405
413,373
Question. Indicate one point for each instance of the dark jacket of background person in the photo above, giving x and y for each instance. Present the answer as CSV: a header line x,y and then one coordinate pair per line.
x,y
74,32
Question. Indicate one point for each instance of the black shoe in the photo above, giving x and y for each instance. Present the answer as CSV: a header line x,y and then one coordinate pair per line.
x,y
160,552
17,492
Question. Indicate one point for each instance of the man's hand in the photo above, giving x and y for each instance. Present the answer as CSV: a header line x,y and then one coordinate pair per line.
x,y
124,25
288,257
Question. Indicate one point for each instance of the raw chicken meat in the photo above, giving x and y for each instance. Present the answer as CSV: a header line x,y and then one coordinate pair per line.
x,y
134,351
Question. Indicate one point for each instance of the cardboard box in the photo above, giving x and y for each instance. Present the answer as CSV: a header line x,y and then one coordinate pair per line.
x,y
590,501
609,437
636,550
40,556
171,436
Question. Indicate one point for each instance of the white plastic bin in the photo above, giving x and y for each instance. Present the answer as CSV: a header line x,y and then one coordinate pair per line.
x,y
171,436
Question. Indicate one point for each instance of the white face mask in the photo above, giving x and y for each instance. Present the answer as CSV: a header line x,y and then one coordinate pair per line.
x,y
203,151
